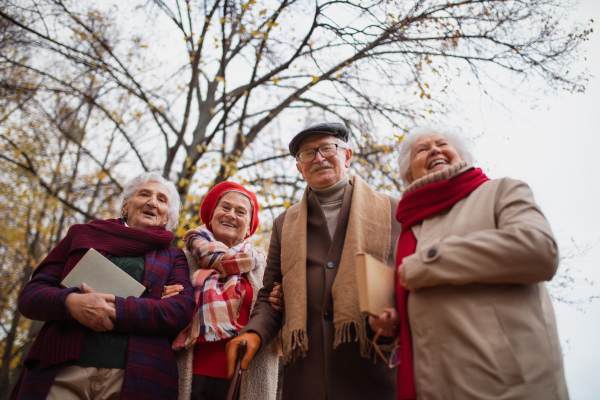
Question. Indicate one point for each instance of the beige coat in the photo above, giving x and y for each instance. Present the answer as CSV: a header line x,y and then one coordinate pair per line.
x,y
481,320
260,381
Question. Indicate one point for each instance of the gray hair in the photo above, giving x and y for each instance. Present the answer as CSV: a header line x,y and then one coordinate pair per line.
x,y
142,179
415,134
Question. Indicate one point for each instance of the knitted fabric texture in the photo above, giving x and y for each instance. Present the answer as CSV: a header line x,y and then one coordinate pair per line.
x,y
218,289
369,231
330,200
61,341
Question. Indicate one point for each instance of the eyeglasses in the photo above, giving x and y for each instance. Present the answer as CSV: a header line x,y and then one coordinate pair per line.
x,y
327,150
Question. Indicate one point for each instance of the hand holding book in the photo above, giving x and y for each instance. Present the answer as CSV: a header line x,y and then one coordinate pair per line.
x,y
94,310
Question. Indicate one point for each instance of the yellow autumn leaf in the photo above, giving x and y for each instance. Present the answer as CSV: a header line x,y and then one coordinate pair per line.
x,y
315,79
275,80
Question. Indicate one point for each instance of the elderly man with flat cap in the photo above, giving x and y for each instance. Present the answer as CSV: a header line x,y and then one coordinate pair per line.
x,y
327,348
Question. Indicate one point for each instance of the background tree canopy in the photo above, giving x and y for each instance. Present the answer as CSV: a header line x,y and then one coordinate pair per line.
x,y
206,91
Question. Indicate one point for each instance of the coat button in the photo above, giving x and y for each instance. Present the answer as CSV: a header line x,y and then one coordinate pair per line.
x,y
330,264
431,253
328,315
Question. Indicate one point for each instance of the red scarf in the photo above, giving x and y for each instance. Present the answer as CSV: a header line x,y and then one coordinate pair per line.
x,y
415,207
60,341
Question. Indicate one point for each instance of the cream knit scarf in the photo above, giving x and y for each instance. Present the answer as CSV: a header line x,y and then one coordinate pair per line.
x,y
369,230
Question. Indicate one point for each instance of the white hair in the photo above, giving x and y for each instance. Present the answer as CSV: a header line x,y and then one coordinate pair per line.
x,y
142,179
415,134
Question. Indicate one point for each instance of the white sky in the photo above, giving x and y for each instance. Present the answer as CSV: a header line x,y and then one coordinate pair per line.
x,y
553,147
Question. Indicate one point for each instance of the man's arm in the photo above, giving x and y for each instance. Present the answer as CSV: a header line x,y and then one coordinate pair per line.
x,y
265,321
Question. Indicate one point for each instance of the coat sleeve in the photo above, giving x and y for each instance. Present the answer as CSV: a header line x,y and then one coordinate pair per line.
x,y
159,316
43,298
265,320
520,250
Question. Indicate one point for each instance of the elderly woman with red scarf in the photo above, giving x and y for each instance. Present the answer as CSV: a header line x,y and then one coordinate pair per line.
x,y
98,345
226,273
476,321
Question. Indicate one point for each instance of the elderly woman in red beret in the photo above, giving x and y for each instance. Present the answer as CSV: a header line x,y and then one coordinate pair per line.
x,y
226,272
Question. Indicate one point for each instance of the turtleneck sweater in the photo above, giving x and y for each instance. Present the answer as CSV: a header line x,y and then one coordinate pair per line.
x,y
330,199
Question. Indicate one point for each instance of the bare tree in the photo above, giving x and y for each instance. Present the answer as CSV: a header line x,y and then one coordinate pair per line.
x,y
207,91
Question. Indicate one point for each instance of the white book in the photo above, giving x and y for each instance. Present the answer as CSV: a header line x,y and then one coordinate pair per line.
x,y
103,276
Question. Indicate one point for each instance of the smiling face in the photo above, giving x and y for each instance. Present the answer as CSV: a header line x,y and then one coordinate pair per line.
x,y
429,154
149,206
324,172
230,222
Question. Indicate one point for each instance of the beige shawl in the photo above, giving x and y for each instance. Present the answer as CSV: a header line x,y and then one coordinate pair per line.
x,y
368,231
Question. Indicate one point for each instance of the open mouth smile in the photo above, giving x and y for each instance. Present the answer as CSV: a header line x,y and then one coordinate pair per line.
x,y
437,162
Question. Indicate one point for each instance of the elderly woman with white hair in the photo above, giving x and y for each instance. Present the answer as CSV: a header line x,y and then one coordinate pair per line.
x,y
102,346
476,321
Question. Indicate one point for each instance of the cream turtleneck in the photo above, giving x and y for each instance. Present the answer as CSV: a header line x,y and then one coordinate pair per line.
x,y
330,199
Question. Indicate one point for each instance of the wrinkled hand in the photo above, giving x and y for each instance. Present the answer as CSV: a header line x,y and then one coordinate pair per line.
x,y
94,310
402,278
388,322
252,346
171,290
276,298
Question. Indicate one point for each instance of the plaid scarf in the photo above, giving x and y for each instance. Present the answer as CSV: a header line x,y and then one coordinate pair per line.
x,y
218,289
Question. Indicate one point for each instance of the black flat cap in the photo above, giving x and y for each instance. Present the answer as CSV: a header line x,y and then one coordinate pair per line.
x,y
331,128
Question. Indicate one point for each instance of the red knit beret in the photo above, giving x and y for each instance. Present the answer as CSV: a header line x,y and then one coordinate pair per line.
x,y
212,199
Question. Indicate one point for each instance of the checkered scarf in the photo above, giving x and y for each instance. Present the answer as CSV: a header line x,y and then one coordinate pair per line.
x,y
218,289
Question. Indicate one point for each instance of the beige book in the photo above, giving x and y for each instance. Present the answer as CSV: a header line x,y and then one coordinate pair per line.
x,y
103,276
376,285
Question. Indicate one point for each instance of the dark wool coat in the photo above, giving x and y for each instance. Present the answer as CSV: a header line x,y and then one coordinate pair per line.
x,y
324,373
151,372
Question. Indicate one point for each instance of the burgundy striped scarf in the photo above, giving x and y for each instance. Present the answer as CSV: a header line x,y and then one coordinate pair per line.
x,y
60,341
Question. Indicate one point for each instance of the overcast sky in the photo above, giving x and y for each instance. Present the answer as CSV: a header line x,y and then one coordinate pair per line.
x,y
554,147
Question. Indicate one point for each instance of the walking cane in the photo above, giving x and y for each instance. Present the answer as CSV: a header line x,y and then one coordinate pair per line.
x,y
237,374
